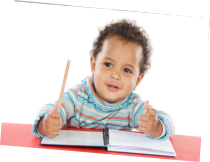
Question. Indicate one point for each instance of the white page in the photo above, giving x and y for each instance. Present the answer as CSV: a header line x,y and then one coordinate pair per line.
x,y
78,138
123,138
117,149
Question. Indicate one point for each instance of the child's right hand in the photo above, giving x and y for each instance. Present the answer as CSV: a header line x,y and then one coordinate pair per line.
x,y
51,123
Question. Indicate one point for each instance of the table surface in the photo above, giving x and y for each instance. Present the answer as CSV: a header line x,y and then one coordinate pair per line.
x,y
12,134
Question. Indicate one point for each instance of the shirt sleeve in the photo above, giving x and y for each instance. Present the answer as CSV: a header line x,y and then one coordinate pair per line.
x,y
166,120
164,129
66,110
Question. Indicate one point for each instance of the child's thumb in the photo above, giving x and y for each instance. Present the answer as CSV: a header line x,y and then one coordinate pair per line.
x,y
146,107
55,113
55,108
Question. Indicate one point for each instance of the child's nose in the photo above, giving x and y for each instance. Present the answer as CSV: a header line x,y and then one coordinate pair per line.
x,y
115,75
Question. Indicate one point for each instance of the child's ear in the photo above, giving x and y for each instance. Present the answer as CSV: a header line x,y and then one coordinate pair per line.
x,y
139,79
92,63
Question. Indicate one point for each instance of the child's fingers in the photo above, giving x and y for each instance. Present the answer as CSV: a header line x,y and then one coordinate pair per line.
x,y
151,112
144,117
57,115
143,124
54,113
140,117
55,128
55,108
55,121
143,129
53,133
52,130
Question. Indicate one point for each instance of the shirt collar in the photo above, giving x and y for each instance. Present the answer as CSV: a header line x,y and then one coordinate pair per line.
x,y
101,103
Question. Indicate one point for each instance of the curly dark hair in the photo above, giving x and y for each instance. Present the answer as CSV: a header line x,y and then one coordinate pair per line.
x,y
128,31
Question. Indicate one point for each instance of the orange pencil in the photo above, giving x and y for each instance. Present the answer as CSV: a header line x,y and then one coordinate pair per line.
x,y
63,85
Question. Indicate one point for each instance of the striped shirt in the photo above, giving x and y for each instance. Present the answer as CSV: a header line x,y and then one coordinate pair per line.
x,y
81,107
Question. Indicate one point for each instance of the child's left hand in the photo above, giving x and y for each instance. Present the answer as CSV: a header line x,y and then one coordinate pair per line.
x,y
149,123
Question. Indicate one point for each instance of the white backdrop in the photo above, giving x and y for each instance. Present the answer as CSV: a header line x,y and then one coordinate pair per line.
x,y
37,40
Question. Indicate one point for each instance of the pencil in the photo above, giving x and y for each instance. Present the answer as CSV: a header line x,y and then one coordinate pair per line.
x,y
63,86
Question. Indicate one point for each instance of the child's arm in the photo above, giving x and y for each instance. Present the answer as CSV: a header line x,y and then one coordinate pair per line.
x,y
66,111
40,127
167,122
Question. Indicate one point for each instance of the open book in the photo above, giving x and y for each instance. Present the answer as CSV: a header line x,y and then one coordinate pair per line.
x,y
114,140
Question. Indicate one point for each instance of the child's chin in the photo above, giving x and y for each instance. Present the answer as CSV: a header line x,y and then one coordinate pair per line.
x,y
112,100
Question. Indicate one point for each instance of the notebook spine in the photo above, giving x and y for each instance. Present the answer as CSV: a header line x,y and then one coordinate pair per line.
x,y
106,136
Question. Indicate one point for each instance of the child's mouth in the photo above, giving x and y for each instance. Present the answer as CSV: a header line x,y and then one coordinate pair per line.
x,y
112,88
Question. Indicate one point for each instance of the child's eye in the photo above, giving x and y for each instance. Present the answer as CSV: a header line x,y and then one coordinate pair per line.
x,y
127,70
108,64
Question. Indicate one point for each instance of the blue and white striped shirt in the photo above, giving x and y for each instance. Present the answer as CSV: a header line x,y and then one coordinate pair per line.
x,y
81,107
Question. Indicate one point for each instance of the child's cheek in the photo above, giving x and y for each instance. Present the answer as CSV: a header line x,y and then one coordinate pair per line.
x,y
131,82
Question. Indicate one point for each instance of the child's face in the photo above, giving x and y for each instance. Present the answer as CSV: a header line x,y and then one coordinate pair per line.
x,y
116,65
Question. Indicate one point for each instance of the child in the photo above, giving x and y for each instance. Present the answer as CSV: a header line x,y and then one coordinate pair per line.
x,y
119,59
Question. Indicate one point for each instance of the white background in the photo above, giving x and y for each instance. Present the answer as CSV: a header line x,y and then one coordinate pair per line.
x,y
36,40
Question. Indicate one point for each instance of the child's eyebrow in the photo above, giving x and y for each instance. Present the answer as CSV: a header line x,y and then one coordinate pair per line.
x,y
108,58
